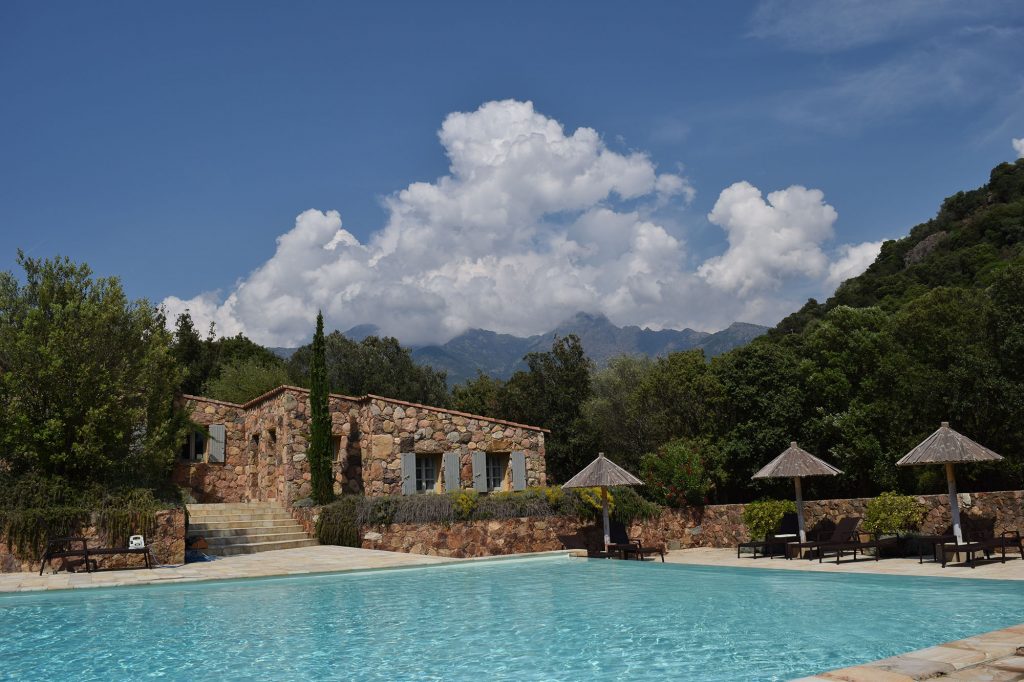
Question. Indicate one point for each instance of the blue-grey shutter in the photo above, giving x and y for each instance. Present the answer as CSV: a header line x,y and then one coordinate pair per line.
x,y
480,471
518,471
217,435
451,472
408,473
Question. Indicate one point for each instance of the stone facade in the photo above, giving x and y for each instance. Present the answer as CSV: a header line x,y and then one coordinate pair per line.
x,y
266,441
710,526
167,543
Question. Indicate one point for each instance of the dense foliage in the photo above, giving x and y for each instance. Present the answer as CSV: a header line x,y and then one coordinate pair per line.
x,y
380,366
87,380
319,453
679,472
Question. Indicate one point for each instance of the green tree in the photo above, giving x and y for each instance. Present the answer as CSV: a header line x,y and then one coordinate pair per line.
x,y
551,393
319,453
87,379
242,380
380,366
482,395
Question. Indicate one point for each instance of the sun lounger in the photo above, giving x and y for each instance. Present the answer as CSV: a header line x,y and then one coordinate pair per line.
x,y
845,531
986,546
787,531
627,546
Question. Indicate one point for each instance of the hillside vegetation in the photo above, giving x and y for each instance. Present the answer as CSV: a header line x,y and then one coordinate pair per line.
x,y
933,331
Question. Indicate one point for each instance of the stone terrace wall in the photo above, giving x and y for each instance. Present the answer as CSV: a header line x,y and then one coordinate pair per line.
x,y
711,526
168,544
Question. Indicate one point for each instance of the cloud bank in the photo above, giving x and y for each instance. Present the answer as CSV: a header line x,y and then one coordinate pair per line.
x,y
1018,146
531,225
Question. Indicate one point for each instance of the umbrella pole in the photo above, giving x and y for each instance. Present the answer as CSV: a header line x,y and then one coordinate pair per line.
x,y
954,503
604,514
800,509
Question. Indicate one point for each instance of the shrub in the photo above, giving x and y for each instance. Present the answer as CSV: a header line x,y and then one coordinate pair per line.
x,y
892,513
763,517
339,523
676,475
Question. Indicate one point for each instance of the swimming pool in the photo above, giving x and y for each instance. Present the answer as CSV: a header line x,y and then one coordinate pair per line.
x,y
537,619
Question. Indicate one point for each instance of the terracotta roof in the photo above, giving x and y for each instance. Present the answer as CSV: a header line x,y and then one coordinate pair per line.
x,y
947,446
602,472
362,399
796,462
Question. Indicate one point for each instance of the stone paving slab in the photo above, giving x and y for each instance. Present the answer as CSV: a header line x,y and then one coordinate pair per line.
x,y
318,559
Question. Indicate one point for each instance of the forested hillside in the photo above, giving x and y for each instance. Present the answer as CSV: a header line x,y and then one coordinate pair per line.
x,y
932,331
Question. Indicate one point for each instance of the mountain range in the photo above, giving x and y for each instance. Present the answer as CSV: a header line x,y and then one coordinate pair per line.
x,y
500,355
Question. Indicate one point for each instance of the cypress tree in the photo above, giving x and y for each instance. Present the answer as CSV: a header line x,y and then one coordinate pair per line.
x,y
319,453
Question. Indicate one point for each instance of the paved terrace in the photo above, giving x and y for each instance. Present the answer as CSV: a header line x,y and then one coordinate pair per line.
x,y
318,559
997,656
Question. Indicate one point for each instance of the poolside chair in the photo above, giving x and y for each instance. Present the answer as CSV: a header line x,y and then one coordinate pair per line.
x,y
853,542
627,546
579,540
787,531
844,531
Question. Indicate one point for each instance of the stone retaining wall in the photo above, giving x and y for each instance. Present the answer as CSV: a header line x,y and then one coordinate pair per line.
x,y
167,543
711,526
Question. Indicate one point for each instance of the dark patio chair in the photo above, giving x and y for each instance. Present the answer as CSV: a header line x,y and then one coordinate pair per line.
x,y
627,546
787,531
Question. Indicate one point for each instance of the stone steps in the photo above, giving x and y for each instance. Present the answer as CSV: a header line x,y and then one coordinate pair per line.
x,y
245,528
235,550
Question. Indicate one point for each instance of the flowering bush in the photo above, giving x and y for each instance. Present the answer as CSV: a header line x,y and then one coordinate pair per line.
x,y
677,475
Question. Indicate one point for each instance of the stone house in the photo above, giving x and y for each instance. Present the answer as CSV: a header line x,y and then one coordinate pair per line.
x,y
256,452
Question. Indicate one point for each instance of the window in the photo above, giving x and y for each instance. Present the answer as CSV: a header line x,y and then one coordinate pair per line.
x,y
194,447
336,448
497,465
272,444
426,473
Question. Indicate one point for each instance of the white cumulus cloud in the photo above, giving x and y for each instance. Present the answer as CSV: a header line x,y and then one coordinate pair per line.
x,y
769,241
531,224
853,259
1018,146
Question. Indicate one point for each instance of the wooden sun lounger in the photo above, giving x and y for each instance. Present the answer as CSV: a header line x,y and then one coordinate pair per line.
x,y
844,532
986,546
786,532
627,546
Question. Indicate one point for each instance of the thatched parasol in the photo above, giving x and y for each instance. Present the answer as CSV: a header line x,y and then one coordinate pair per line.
x,y
948,447
796,463
601,473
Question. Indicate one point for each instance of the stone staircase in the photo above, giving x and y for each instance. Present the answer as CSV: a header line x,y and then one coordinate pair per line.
x,y
245,528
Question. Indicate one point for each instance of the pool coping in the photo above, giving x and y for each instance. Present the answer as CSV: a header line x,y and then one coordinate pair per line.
x,y
995,655
157,580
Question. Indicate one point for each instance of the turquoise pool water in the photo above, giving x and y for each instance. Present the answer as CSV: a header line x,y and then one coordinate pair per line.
x,y
541,619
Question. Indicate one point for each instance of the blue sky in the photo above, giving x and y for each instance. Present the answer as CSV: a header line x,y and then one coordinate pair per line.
x,y
174,145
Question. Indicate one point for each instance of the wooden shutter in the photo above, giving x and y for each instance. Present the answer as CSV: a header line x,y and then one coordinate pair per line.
x,y
518,471
451,472
408,473
480,471
217,435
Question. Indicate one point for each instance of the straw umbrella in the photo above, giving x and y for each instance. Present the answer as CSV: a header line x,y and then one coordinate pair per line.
x,y
601,473
948,447
796,463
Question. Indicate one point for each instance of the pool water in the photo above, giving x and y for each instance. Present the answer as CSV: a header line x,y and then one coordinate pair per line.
x,y
538,619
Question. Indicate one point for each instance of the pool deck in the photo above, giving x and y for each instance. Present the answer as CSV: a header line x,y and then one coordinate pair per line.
x,y
282,562
996,656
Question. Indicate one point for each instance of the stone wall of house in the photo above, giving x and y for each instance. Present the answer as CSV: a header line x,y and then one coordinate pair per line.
x,y
217,482
267,439
710,526
167,543
398,427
